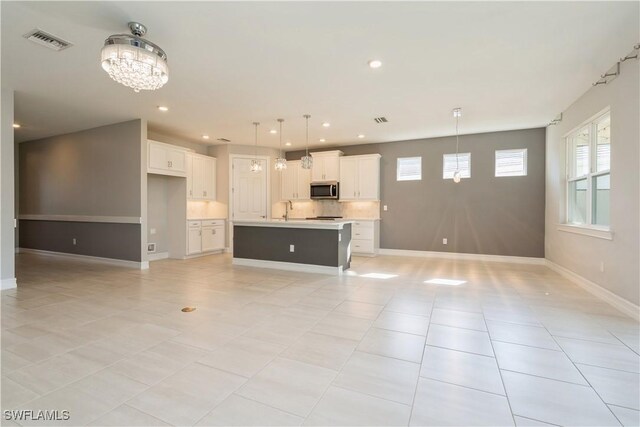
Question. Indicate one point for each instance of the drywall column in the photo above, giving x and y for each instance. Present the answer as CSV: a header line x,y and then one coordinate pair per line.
x,y
7,209
144,256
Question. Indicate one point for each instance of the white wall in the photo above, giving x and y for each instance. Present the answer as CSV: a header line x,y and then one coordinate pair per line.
x,y
7,191
583,254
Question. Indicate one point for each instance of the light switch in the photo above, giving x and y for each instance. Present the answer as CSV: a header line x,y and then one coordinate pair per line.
x,y
384,208
152,231
444,241
292,248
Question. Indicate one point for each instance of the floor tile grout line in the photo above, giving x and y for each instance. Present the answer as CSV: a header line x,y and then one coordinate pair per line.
x,y
534,419
500,374
622,406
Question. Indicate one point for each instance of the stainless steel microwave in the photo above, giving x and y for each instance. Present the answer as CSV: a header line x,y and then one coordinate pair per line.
x,y
325,190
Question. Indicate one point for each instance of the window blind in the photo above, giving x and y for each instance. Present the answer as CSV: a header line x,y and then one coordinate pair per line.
x,y
409,169
449,165
511,162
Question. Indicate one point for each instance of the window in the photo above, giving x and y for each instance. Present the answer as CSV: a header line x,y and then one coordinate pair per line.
x,y
511,162
449,165
588,173
409,169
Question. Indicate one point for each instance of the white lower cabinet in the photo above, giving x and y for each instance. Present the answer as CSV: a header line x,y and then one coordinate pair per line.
x,y
365,237
205,236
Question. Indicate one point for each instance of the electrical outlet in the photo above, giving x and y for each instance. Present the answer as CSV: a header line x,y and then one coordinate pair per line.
x,y
292,248
74,241
444,241
152,231
151,247
384,208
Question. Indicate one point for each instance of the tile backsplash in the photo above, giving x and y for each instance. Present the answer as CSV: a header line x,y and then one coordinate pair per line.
x,y
362,210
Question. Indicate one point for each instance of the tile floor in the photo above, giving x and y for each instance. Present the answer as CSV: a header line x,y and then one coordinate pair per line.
x,y
515,344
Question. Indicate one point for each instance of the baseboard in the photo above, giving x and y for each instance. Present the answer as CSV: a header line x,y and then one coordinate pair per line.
x,y
627,307
8,284
158,256
290,266
111,261
463,256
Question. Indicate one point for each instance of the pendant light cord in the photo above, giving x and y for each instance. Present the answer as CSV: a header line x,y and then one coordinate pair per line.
x,y
457,143
307,132
280,120
256,139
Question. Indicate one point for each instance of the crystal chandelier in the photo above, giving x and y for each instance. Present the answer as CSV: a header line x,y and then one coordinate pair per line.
x,y
457,113
255,163
307,160
281,162
133,61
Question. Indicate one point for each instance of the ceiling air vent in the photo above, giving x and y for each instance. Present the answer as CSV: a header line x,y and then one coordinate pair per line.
x,y
380,120
47,40
224,140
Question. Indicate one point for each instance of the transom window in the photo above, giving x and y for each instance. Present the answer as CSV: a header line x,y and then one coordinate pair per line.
x,y
511,162
588,173
450,164
409,169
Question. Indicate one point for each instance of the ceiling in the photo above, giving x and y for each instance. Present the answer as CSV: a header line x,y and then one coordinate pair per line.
x,y
509,65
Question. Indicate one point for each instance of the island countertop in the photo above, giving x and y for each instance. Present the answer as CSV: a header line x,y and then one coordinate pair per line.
x,y
295,223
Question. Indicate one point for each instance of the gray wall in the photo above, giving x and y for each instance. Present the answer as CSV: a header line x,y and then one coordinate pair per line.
x,y
7,189
480,215
95,172
584,254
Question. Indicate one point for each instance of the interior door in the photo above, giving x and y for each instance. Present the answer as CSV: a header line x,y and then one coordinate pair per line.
x,y
249,190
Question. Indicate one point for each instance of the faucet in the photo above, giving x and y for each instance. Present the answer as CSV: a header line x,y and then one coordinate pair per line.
x,y
288,205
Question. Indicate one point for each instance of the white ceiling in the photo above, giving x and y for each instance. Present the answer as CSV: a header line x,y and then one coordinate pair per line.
x,y
509,65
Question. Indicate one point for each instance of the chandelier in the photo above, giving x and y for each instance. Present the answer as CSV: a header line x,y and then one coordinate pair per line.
x,y
133,61
307,160
255,163
281,162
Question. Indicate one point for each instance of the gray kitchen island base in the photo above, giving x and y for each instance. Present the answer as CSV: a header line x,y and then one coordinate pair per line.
x,y
309,246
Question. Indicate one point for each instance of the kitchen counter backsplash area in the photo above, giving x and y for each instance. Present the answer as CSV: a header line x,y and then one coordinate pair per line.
x,y
206,209
347,210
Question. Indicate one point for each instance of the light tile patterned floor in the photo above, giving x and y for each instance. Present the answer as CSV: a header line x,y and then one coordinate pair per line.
x,y
515,344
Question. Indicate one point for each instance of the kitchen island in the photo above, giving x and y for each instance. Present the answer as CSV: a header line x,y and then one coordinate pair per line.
x,y
299,245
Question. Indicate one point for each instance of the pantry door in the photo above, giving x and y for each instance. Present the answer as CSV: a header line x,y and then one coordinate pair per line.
x,y
249,190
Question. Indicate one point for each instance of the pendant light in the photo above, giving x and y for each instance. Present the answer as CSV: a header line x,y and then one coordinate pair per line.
x,y
307,160
457,113
281,162
255,163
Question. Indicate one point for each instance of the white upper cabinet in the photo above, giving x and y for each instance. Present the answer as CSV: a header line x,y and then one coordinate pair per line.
x,y
295,182
201,177
360,177
326,166
165,159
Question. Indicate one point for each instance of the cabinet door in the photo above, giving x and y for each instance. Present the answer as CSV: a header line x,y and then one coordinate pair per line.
x,y
288,181
348,178
194,243
332,168
303,190
189,160
158,156
208,239
369,178
218,238
177,161
198,177
208,178
317,169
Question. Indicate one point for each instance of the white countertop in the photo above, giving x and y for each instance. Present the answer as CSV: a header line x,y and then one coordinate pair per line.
x,y
296,223
206,219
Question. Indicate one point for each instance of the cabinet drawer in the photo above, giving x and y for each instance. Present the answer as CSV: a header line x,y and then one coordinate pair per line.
x,y
363,224
360,233
194,224
362,246
212,222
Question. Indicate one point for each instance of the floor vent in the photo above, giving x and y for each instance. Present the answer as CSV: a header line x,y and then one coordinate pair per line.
x,y
47,40
224,140
380,120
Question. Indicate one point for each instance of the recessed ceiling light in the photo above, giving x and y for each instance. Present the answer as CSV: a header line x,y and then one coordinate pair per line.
x,y
375,63
163,108
288,144
361,136
16,126
205,136
273,131
326,124
323,140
